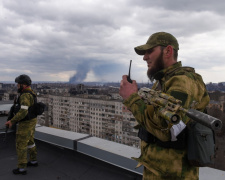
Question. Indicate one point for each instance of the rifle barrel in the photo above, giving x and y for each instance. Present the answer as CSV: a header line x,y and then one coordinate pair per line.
x,y
6,131
205,119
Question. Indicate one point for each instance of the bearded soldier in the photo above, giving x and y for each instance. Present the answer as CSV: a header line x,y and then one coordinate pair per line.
x,y
163,148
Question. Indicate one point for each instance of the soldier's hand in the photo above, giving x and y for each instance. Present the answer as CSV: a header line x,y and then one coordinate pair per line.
x,y
9,124
126,88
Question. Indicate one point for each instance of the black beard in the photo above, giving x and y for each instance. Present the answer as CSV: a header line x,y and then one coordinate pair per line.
x,y
158,67
20,89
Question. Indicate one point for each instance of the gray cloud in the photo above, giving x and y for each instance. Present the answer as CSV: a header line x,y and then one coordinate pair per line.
x,y
49,38
181,5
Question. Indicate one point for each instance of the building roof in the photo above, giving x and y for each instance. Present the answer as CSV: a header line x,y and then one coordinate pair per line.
x,y
56,162
68,155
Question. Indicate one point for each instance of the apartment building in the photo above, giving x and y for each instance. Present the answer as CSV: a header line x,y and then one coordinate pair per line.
x,y
104,118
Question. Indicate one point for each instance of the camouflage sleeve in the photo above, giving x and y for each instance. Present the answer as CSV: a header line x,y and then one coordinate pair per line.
x,y
145,116
26,100
188,90
181,87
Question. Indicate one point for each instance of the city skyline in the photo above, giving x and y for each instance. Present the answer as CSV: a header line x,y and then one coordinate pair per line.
x,y
94,40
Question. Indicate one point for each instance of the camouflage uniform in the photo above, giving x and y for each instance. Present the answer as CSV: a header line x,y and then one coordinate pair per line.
x,y
25,131
160,162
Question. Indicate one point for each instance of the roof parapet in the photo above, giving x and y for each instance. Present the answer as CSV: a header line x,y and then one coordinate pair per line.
x,y
107,151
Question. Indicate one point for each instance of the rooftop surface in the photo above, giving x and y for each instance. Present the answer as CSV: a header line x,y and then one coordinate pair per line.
x,y
59,163
64,155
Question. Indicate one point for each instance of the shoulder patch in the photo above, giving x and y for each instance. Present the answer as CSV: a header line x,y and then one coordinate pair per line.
x,y
179,95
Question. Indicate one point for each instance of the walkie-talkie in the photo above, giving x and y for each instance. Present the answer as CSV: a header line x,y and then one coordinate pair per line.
x,y
128,77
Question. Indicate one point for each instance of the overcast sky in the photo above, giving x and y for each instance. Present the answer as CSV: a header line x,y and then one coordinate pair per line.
x,y
53,40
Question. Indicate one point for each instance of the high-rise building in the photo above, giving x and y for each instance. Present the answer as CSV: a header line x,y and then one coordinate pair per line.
x,y
107,119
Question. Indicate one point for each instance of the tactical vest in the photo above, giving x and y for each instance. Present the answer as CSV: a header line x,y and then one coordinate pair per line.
x,y
30,114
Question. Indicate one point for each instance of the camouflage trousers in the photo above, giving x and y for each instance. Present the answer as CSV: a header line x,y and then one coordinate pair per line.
x,y
25,142
148,175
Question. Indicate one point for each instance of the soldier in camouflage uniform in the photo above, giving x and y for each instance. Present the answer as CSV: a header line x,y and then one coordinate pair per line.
x,y
164,151
26,126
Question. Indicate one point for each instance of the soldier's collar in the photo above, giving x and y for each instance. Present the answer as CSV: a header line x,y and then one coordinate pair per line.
x,y
28,88
159,75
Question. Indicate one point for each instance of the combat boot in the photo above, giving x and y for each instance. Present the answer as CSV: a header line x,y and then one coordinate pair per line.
x,y
32,164
19,171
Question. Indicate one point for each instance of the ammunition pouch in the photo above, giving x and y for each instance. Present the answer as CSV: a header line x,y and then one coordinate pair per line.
x,y
201,145
150,139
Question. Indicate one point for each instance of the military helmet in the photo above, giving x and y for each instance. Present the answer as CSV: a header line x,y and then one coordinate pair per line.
x,y
23,79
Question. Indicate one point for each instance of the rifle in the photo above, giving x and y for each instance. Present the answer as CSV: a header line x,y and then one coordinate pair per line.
x,y
12,110
169,107
6,130
10,116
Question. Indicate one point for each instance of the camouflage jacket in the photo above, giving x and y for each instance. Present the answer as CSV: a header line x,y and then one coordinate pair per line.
x,y
186,85
25,100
